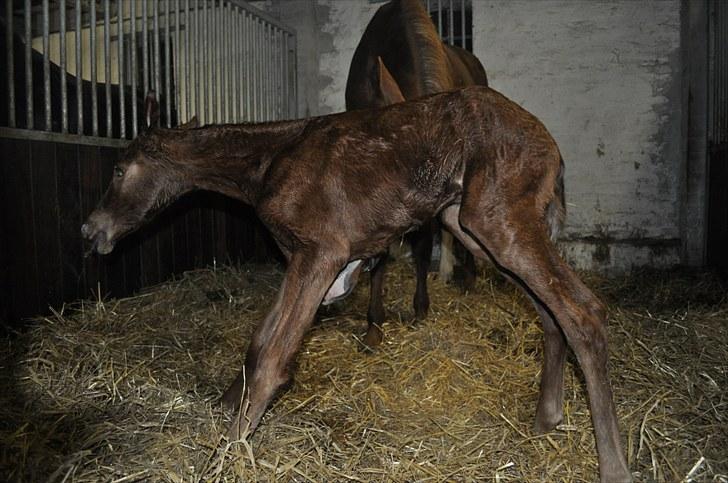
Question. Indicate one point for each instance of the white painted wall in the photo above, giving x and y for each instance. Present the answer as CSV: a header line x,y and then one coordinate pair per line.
x,y
605,78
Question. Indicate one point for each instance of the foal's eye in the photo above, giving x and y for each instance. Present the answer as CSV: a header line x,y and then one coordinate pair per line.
x,y
118,171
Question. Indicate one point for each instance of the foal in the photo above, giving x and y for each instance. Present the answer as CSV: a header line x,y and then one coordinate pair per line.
x,y
337,189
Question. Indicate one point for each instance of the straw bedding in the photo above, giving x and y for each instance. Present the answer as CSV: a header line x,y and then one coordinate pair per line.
x,y
127,390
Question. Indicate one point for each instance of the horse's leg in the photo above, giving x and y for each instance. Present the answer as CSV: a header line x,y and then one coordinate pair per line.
x,y
421,242
375,314
515,236
467,279
550,409
276,341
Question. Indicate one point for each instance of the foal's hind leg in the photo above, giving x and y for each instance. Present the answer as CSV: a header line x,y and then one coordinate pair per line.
x,y
515,236
375,314
550,409
421,241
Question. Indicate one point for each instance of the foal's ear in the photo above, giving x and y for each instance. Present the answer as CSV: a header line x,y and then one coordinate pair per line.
x,y
389,90
151,110
191,124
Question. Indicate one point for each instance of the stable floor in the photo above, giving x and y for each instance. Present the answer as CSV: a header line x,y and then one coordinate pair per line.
x,y
127,390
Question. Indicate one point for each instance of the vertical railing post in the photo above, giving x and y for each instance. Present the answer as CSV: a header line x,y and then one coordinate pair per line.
x,y
120,41
188,87
463,40
46,66
10,67
94,71
155,40
79,68
177,82
28,66
167,62
145,51
62,61
107,66
133,71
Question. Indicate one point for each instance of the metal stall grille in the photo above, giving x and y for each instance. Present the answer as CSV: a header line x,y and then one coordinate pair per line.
x,y
84,68
454,21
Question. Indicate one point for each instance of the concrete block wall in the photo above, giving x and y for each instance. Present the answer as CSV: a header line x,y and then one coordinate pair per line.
x,y
603,76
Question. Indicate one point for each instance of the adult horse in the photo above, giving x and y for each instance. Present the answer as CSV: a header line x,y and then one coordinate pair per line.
x,y
401,56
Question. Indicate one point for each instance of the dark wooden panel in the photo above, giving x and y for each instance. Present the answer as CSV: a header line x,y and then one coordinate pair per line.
x,y
90,194
70,219
163,225
50,188
194,229
46,221
717,242
24,297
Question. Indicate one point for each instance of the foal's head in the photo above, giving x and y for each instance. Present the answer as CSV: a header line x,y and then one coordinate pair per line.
x,y
144,181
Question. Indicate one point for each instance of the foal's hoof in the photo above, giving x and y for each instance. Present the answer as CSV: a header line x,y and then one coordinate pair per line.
x,y
372,338
464,279
546,424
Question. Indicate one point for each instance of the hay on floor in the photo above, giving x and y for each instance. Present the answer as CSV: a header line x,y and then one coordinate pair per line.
x,y
127,390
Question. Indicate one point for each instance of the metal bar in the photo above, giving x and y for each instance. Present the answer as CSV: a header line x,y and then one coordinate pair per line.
x,y
279,75
256,70
79,68
177,83
107,66
242,62
204,58
215,54
284,76
145,50
269,69
157,70
248,70
94,73
260,91
120,40
221,61
196,70
188,87
167,37
236,62
228,61
14,133
439,17
9,44
133,72
294,70
28,67
46,66
62,61
451,37
262,15
265,59
463,43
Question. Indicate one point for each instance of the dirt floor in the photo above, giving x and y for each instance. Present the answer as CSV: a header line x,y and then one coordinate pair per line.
x,y
127,390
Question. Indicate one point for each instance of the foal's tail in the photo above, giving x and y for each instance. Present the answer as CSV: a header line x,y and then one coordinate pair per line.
x,y
556,209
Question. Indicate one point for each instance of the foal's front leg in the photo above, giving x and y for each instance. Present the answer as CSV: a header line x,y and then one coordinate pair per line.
x,y
276,341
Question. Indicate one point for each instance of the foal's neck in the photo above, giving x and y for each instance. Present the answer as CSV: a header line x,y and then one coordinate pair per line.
x,y
231,159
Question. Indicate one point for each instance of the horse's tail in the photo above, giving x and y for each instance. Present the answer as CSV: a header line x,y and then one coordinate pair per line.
x,y
556,209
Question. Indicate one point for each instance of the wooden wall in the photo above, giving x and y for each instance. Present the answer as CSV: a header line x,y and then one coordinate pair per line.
x,y
46,191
